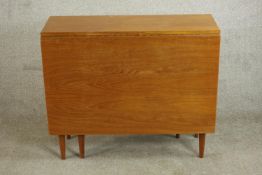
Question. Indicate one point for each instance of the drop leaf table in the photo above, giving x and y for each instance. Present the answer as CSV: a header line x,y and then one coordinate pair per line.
x,y
155,74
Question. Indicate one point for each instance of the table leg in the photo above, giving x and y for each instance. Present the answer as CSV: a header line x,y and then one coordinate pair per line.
x,y
81,142
202,138
62,146
177,136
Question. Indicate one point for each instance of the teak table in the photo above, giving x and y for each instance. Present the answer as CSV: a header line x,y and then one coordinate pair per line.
x,y
130,75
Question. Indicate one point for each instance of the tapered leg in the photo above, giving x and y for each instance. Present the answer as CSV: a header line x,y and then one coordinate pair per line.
x,y
177,136
196,135
68,136
62,146
81,142
202,138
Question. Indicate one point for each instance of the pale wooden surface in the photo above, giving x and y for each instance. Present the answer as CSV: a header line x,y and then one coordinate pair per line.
x,y
130,25
123,85
131,84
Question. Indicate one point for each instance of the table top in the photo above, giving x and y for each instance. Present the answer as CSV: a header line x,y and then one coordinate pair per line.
x,y
130,25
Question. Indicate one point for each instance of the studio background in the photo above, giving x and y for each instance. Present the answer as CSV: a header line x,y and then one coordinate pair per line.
x,y
26,147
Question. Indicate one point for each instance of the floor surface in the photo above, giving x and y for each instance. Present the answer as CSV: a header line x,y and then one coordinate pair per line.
x,y
235,148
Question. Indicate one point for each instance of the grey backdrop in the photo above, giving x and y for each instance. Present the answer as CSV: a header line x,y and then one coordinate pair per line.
x,y
236,147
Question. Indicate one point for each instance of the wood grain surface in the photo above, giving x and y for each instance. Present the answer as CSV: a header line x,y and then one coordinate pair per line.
x,y
126,25
154,84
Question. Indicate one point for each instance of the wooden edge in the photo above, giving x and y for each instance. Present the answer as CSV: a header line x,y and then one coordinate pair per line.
x,y
136,34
